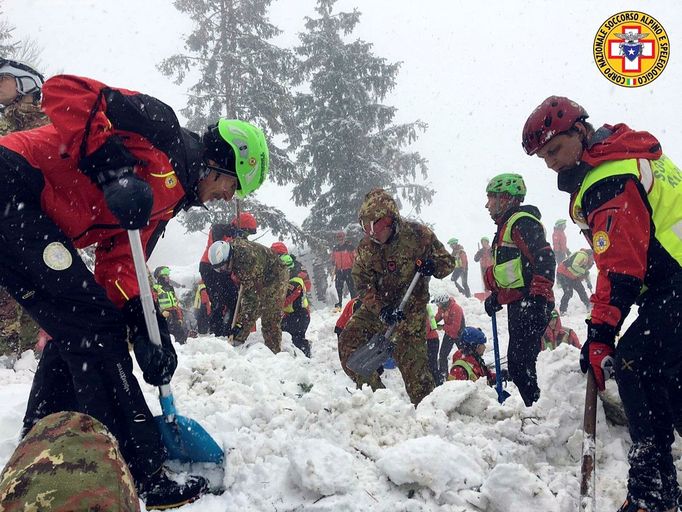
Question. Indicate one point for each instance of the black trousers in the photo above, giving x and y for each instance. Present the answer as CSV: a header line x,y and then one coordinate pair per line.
x,y
648,365
464,274
86,366
444,356
296,324
202,319
432,348
223,293
344,276
527,321
569,286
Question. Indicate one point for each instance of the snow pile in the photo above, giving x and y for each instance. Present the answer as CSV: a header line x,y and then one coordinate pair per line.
x,y
298,436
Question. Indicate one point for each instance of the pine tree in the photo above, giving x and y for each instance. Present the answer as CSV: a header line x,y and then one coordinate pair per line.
x,y
351,144
240,75
7,45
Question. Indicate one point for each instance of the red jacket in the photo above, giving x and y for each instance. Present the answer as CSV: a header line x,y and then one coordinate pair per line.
x,y
453,319
556,334
74,202
460,373
559,244
346,315
633,257
343,256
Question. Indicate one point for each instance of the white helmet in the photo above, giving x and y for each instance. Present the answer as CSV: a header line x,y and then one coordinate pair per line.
x,y
440,298
219,253
28,80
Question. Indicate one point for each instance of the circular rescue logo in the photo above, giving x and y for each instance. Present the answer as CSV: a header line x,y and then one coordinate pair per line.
x,y
600,242
631,49
171,181
57,257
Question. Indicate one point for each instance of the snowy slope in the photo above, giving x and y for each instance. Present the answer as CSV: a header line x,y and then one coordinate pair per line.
x,y
298,436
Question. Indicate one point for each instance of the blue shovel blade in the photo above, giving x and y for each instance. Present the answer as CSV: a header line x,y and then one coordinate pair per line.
x,y
187,441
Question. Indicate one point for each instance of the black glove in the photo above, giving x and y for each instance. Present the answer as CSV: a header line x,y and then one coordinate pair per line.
x,y
157,363
391,316
234,331
491,305
128,197
504,373
426,267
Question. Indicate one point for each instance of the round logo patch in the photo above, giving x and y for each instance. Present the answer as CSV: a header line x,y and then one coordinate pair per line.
x,y
600,242
631,49
171,181
57,257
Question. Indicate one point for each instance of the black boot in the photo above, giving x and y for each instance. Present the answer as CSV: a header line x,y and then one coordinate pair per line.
x,y
159,492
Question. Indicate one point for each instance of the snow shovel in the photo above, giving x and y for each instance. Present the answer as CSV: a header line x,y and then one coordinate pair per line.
x,y
588,497
184,438
502,394
236,312
369,357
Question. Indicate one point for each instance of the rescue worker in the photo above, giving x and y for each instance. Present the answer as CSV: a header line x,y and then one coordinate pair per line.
x,y
461,267
296,308
222,288
467,362
387,258
343,255
112,160
168,303
452,316
571,273
625,197
20,91
484,257
263,278
521,277
202,307
281,249
559,243
556,334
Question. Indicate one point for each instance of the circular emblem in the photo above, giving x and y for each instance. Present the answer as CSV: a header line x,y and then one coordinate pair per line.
x,y
57,257
600,242
171,181
252,162
631,49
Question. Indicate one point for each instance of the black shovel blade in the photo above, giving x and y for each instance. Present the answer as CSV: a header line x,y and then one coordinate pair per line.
x,y
369,357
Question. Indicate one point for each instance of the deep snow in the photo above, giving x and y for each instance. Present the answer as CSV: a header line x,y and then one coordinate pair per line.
x,y
298,436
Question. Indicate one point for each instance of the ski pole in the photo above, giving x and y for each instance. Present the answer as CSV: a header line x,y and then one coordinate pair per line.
x,y
588,498
502,394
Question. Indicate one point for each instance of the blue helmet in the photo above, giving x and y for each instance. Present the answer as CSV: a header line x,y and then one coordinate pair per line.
x,y
473,336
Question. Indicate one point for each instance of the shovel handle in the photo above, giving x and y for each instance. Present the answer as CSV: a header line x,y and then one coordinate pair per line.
x,y
236,308
166,398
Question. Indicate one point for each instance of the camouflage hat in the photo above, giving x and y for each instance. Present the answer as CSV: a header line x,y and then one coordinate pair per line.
x,y
68,461
377,205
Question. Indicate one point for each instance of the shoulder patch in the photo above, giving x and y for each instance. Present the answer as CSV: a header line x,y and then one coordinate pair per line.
x,y
600,242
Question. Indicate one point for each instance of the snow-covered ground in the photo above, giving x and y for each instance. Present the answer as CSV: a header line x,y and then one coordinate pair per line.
x,y
299,436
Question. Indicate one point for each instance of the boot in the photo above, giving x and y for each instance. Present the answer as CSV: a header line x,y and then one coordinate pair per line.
x,y
630,506
159,492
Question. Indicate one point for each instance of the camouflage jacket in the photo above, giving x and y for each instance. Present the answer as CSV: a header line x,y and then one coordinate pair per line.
x,y
68,461
382,272
257,268
22,116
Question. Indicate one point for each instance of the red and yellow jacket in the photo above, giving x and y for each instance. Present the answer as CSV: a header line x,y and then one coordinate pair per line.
x,y
91,119
453,319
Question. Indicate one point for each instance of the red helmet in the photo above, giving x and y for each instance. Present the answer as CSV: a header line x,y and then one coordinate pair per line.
x,y
246,221
279,248
553,116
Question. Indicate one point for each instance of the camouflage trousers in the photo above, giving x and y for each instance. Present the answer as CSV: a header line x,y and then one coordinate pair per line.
x,y
269,308
18,331
410,353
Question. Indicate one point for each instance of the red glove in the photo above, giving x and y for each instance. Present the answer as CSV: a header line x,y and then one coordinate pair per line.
x,y
599,357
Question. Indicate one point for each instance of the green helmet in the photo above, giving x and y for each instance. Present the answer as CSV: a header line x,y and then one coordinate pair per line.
x,y
453,241
162,272
240,149
507,183
287,260
559,223
485,239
